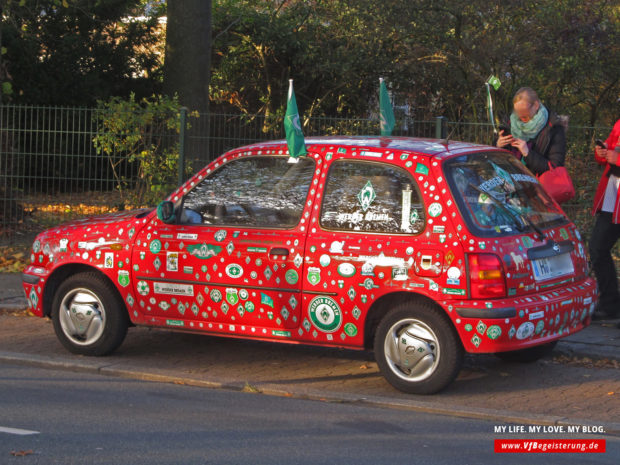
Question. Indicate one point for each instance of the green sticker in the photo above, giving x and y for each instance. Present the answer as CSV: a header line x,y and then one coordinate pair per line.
x,y
155,246
421,169
266,300
325,314
494,332
350,329
123,278
291,277
366,196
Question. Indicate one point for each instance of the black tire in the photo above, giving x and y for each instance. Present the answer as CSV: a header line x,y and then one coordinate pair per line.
x,y
88,314
528,355
421,335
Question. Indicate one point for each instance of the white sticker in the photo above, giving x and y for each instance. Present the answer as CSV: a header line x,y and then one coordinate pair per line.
x,y
525,330
109,260
187,236
173,289
172,261
536,315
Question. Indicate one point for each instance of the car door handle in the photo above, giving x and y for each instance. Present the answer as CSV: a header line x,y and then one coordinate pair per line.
x,y
279,251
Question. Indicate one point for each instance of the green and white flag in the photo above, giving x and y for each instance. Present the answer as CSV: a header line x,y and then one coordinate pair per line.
x,y
292,126
386,111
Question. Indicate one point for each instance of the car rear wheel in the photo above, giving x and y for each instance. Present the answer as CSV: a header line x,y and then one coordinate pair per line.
x,y
417,349
528,355
89,316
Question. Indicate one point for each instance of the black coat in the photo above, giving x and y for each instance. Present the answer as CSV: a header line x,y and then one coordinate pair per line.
x,y
548,146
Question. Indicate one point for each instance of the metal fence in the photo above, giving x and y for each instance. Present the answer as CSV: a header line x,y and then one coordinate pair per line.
x,y
51,170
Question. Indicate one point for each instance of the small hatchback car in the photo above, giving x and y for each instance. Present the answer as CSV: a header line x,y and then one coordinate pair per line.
x,y
418,248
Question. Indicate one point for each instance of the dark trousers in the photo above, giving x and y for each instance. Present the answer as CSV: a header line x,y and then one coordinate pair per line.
x,y
603,238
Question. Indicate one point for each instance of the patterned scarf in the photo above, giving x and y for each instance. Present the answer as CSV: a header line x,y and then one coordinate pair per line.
x,y
528,131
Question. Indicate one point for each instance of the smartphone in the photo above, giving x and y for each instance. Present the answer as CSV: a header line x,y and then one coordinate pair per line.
x,y
506,129
600,143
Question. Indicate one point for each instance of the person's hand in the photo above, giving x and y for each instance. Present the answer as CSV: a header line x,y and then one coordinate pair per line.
x,y
521,145
504,140
612,157
600,152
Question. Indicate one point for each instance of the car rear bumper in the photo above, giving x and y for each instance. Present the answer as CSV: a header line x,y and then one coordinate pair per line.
x,y
521,322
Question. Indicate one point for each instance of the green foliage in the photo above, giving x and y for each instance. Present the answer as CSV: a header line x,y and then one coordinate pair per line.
x,y
73,52
434,54
143,133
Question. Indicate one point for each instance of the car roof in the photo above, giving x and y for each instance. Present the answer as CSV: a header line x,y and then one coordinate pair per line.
x,y
410,144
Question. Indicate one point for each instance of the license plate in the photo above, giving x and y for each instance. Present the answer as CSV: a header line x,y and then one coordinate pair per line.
x,y
553,267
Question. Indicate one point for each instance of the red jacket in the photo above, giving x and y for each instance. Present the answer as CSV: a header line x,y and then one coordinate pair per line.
x,y
611,142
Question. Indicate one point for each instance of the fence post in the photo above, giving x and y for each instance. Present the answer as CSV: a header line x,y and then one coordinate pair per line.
x,y
183,127
440,127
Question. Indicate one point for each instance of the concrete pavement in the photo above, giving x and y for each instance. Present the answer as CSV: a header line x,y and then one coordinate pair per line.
x,y
578,384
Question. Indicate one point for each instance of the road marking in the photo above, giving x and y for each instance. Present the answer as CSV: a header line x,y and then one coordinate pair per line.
x,y
20,432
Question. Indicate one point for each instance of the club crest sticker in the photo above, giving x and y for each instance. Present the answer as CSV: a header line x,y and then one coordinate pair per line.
x,y
435,209
123,278
204,251
366,196
325,314
234,270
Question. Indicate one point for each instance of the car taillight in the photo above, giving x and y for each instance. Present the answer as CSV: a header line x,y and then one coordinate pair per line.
x,y
486,276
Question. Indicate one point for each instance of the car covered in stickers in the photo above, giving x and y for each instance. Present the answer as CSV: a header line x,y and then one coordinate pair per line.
x,y
419,249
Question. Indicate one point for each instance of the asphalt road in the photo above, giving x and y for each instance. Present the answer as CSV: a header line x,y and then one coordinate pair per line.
x,y
56,416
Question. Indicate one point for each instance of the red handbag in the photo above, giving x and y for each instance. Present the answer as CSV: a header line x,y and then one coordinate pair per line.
x,y
558,184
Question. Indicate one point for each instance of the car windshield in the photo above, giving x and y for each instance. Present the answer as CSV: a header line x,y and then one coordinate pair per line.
x,y
497,195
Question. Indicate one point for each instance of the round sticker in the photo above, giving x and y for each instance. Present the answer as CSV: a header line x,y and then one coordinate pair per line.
x,y
525,330
291,277
325,314
346,270
155,246
325,260
435,209
234,271
350,329
494,331
143,288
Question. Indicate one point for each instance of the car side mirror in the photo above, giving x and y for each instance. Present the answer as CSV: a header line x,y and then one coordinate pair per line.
x,y
165,212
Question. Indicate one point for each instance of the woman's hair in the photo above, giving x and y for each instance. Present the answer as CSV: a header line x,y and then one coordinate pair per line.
x,y
526,93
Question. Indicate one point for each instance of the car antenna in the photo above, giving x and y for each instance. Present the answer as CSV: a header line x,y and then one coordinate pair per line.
x,y
446,141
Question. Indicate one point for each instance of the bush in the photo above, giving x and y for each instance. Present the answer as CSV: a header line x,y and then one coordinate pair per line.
x,y
145,133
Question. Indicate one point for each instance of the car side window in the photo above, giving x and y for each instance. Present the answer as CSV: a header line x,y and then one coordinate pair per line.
x,y
251,191
373,197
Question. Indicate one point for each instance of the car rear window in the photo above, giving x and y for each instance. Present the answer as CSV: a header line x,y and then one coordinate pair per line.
x,y
372,197
497,195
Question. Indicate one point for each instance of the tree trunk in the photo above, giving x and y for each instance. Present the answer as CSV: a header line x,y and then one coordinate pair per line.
x,y
187,67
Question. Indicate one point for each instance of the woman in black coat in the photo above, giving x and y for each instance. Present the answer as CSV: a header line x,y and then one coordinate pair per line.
x,y
534,135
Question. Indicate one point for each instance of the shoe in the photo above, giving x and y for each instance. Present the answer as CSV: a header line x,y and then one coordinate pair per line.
x,y
608,312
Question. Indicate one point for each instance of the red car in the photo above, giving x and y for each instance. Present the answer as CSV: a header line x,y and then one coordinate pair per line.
x,y
418,248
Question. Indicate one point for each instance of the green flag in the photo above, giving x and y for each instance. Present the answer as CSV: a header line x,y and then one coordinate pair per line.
x,y
386,112
494,81
292,126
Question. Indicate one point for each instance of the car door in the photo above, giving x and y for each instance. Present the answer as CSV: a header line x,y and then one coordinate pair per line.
x,y
369,220
232,262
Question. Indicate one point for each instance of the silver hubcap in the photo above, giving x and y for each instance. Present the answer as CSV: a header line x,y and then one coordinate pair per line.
x,y
82,316
412,350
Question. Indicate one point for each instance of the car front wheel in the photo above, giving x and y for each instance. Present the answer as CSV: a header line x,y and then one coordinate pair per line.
x,y
88,315
417,349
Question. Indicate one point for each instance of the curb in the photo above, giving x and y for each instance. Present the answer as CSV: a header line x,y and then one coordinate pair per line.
x,y
431,407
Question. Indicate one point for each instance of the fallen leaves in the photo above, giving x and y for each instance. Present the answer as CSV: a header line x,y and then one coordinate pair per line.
x,y
587,362
21,453
14,258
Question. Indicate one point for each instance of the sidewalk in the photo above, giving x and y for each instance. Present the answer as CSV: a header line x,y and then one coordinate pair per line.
x,y
579,384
